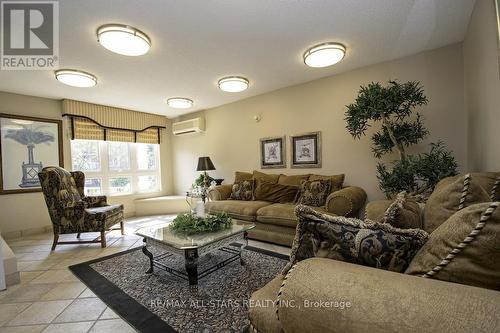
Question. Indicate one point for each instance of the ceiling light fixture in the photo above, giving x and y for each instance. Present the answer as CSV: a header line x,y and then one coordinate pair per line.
x,y
233,84
324,55
75,78
179,103
123,39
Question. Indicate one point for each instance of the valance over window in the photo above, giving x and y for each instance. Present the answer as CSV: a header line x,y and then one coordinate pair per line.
x,y
99,122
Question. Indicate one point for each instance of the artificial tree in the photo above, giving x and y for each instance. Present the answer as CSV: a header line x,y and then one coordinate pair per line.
x,y
393,106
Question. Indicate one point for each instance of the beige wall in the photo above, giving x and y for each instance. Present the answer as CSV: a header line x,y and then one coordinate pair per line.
x,y
232,135
482,87
28,211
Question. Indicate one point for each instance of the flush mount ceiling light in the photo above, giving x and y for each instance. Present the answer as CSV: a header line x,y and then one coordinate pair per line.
x,y
324,55
75,78
123,39
179,103
233,84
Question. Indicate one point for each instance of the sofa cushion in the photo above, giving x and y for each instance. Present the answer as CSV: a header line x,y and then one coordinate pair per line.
x,y
282,214
352,240
279,193
294,180
242,190
404,212
451,195
240,176
337,180
464,249
314,192
278,214
268,177
243,210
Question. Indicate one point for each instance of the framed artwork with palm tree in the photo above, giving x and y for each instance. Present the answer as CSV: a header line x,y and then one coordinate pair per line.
x,y
27,145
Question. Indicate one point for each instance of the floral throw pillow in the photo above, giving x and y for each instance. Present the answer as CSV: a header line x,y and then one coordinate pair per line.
x,y
242,190
378,245
314,192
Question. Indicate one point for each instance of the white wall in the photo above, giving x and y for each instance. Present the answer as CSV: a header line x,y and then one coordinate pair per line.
x,y
232,136
482,87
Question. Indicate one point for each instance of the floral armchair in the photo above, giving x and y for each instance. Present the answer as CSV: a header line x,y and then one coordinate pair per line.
x,y
73,212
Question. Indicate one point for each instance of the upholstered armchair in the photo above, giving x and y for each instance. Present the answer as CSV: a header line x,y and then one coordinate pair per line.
x,y
71,211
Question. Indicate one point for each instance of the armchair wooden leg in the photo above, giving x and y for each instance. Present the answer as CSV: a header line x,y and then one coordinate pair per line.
x,y
103,239
78,235
122,228
56,238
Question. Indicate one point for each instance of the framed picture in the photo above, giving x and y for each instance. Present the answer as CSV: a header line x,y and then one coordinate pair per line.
x,y
306,150
27,145
272,152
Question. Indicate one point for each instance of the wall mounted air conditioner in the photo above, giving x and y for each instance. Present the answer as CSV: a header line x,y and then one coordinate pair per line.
x,y
195,125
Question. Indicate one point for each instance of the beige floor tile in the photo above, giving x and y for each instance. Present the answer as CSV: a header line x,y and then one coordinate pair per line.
x,y
109,314
25,293
36,265
82,310
65,263
27,277
23,329
81,327
41,255
53,276
39,313
111,326
87,293
88,252
9,311
112,250
69,290
29,248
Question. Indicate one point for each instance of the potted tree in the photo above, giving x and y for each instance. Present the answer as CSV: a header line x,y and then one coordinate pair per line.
x,y
393,107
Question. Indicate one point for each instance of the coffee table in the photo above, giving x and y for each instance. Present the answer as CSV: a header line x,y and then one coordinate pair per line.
x,y
192,247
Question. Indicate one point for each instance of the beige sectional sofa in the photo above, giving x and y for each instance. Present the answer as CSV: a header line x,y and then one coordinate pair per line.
x,y
314,294
276,222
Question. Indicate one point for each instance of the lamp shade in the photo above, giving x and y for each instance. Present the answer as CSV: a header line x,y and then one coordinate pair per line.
x,y
205,164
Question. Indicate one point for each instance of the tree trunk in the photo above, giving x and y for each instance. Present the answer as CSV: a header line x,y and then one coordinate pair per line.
x,y
400,148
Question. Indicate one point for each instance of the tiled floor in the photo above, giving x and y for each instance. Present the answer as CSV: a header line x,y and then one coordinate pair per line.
x,y
51,299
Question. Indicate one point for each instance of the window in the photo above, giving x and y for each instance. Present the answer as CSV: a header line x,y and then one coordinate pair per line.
x,y
117,168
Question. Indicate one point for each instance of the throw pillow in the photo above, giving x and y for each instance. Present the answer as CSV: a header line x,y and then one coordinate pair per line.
x,y
268,177
278,193
242,190
403,212
240,176
314,193
352,240
464,249
337,180
451,195
294,180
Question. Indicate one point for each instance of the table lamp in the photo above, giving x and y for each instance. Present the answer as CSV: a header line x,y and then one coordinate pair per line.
x,y
205,164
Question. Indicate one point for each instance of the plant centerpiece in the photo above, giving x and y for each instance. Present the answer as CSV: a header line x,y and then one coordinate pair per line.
x,y
393,106
191,224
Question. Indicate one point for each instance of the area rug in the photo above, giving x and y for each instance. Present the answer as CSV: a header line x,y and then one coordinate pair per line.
x,y
161,302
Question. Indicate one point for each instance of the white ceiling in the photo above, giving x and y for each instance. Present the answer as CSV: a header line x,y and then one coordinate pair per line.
x,y
195,42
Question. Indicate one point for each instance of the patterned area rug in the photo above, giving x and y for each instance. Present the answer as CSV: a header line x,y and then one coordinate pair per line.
x,y
161,302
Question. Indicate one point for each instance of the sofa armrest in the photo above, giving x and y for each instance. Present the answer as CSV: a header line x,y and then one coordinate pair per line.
x,y
380,301
346,202
220,192
375,210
